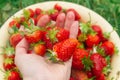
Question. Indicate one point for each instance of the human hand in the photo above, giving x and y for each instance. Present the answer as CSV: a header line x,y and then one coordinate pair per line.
x,y
34,67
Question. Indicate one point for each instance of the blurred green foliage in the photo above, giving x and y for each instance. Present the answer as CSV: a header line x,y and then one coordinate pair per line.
x,y
109,9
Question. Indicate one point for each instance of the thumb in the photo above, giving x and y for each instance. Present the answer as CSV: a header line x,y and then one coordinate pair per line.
x,y
21,47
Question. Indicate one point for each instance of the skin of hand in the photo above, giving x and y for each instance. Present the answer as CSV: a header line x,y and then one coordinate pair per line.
x,y
34,67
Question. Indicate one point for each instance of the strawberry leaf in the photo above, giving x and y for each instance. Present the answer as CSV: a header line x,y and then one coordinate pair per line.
x,y
13,30
52,57
88,64
92,78
86,28
82,37
107,35
116,50
107,69
52,35
26,13
100,50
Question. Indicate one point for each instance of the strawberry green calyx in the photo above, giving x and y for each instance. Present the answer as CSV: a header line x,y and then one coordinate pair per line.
x,y
9,51
82,37
13,30
86,28
88,64
52,56
26,13
52,35
106,70
8,61
100,50
52,11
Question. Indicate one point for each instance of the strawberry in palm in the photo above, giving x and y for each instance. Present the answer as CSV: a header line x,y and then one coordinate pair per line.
x,y
40,49
34,36
64,50
15,39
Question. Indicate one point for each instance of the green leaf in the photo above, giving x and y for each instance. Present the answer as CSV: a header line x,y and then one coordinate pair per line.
x,y
100,50
86,28
52,35
53,57
88,64
82,37
26,13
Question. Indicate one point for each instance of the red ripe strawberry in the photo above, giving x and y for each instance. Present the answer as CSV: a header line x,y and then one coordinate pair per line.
x,y
77,16
8,64
79,75
40,49
31,12
54,15
57,7
22,19
78,55
47,41
92,40
98,64
34,37
15,39
38,11
14,23
9,52
97,29
62,34
71,78
64,49
102,77
109,47
12,75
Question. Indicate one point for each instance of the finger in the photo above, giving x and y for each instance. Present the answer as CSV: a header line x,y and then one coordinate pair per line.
x,y
60,20
22,47
74,30
70,17
43,20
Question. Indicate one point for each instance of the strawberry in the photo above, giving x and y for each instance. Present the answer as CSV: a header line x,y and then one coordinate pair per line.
x,y
64,49
108,47
31,12
92,40
101,77
47,41
22,19
15,39
54,15
77,16
98,64
38,11
34,36
8,64
40,49
57,7
71,78
78,55
62,34
79,75
12,75
9,52
14,23
97,29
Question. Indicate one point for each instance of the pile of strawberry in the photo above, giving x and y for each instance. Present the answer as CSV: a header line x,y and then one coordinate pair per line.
x,y
91,50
